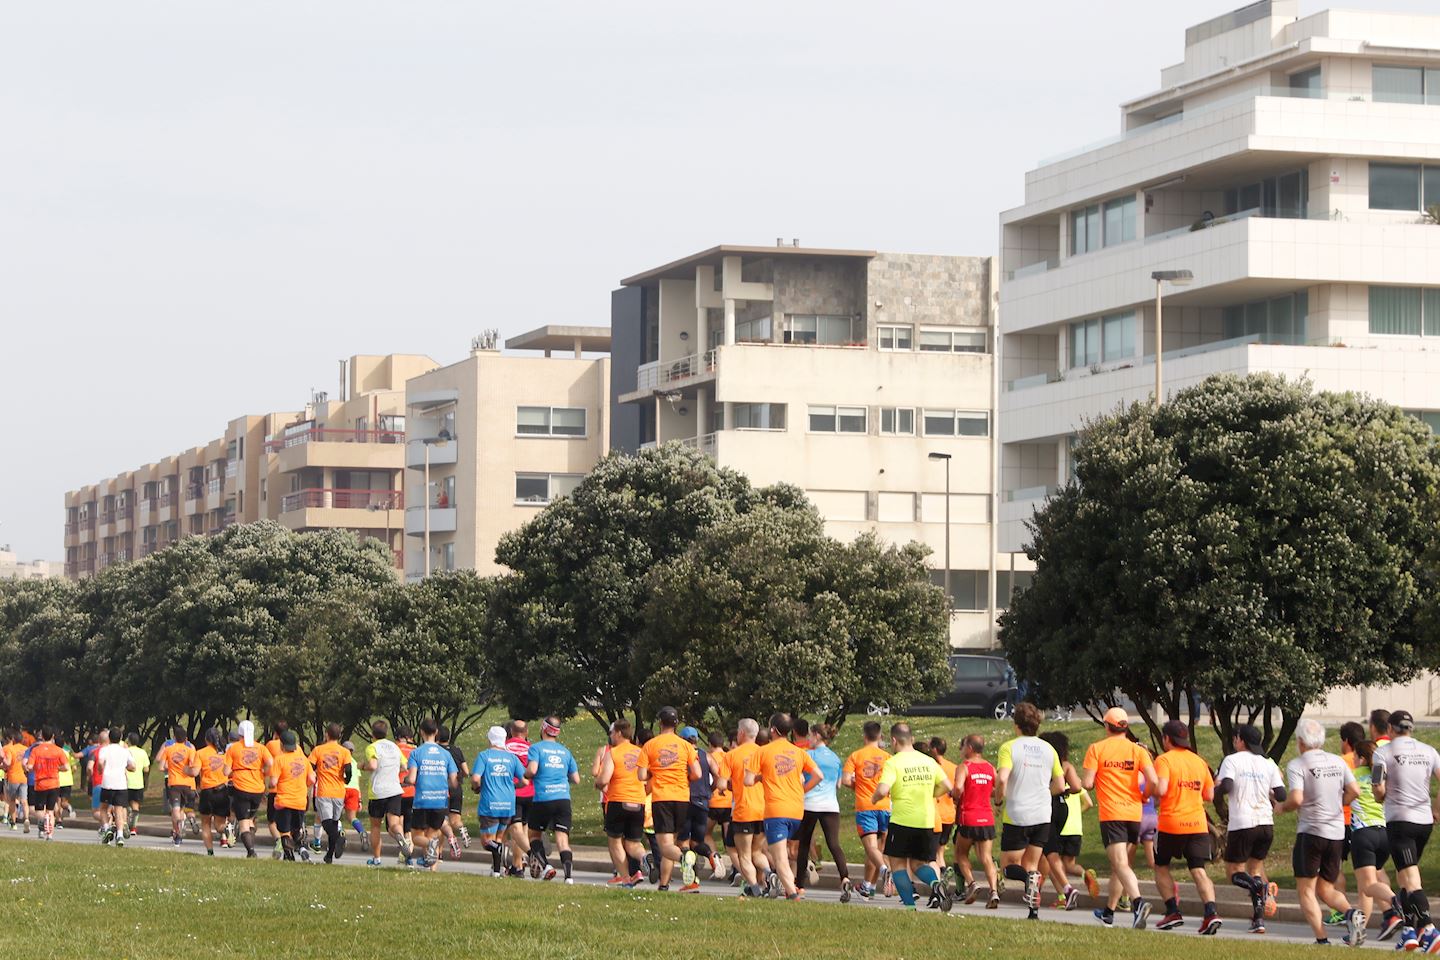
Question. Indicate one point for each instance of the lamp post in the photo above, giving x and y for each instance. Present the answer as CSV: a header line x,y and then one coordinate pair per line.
x,y
949,589
1177,278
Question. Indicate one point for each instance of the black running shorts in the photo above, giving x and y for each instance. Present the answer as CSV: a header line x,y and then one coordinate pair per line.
x,y
214,802
45,799
625,820
1015,837
1316,857
977,834
114,798
245,804
671,816
180,797
386,807
551,815
1193,848
1369,847
913,843
1249,843
429,818
1407,842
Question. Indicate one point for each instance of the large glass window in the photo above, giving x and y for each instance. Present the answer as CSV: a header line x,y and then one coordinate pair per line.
x,y
825,330
1106,338
1405,84
956,423
1397,312
759,416
1306,83
1102,225
967,588
1285,196
550,421
946,340
837,419
544,487
754,331
1395,186
1280,320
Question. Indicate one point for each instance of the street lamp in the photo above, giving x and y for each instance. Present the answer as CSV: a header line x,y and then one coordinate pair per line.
x,y
949,590
1178,278
428,442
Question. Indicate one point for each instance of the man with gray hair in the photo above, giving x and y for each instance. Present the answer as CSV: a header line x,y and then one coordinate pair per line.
x,y
747,817
1321,786
1402,769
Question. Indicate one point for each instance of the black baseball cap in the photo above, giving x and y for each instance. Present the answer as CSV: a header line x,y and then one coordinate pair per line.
x,y
1249,735
1401,720
1178,733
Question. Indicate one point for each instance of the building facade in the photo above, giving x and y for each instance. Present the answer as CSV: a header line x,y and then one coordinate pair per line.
x,y
13,568
495,437
330,464
1286,163
864,378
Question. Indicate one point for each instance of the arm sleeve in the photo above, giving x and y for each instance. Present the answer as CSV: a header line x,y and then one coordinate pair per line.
x,y
1295,776
888,775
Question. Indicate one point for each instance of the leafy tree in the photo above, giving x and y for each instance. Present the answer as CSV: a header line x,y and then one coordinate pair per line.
x,y
1250,544
43,628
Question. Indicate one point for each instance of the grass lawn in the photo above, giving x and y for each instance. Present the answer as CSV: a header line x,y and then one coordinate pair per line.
x,y
69,900
583,736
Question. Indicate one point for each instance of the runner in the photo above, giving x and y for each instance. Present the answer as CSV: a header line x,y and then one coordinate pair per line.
x,y
1380,727
291,777
91,777
822,808
694,833
1184,785
214,802
1369,845
113,763
668,764
66,781
1062,850
432,771
721,803
1402,770
1320,787
912,781
973,792
780,768
45,761
623,797
552,770
1113,767
945,808
872,818
747,820
273,746
494,775
178,760
518,742
455,830
405,740
16,783
333,766
1029,774
135,781
1254,786
383,760
352,797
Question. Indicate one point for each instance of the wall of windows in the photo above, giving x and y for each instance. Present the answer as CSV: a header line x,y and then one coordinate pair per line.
x,y
759,416
824,330
1403,186
1102,225
1281,320
956,423
1284,197
1405,311
838,419
1102,339
758,330
1405,84
550,421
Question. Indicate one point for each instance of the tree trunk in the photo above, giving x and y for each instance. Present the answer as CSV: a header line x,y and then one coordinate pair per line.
x,y
1288,722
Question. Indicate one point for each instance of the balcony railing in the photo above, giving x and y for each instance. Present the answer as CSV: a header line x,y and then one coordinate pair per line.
x,y
165,499
342,500
216,485
123,512
107,516
194,491
652,376
72,526
276,443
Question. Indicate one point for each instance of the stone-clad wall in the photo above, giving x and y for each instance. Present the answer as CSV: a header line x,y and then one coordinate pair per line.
x,y
916,289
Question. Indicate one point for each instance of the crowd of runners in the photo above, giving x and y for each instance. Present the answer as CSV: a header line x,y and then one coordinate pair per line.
x,y
750,808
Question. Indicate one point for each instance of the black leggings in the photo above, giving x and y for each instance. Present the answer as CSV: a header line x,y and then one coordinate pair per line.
x,y
830,823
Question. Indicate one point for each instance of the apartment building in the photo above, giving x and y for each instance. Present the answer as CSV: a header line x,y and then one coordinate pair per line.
x,y
496,436
1286,164
332,463
864,378
13,568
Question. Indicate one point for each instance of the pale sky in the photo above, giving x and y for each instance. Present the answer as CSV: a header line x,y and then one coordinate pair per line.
x,y
204,205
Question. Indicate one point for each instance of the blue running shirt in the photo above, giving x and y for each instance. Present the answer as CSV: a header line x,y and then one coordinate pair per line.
x,y
433,766
553,766
497,769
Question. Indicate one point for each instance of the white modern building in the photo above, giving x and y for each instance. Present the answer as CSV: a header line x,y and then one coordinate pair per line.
x,y
1286,163
13,568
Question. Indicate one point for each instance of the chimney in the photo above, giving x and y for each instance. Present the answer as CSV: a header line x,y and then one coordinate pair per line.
x,y
795,243
779,241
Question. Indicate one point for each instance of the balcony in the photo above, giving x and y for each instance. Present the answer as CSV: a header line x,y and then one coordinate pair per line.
x,y
705,443
72,527
339,449
666,375
275,443
341,500
441,453
442,520
194,491
107,516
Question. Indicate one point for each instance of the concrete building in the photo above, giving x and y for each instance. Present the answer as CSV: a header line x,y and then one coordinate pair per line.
x,y
332,463
839,371
1287,164
13,568
500,436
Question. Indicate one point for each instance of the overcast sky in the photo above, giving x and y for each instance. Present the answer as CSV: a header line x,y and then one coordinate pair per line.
x,y
204,205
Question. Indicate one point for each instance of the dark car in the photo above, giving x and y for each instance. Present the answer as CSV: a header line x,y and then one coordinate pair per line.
x,y
984,685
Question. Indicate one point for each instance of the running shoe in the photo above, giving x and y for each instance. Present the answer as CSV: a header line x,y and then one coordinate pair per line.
x,y
535,865
692,887
279,851
797,895
340,846
732,877
652,868
1123,904
1407,940
304,852
949,874
934,902
772,885
1071,899
1272,901
1106,917
210,853
687,868
1139,913
883,886
27,827
618,881
1170,921
1059,903
548,873
1210,926
464,837
972,889
1390,921
994,903
947,895
1092,883
637,878
1257,925
175,839
714,865
1354,927
845,890
812,876
120,842
1426,942
1335,918
866,891
454,849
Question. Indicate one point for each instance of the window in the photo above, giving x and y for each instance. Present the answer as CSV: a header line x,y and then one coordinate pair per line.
x,y
544,487
1005,589
759,416
957,423
824,330
1107,338
837,419
1306,83
550,421
1281,320
1285,196
894,338
754,331
1102,225
1431,418
1405,311
952,341
967,587
1405,84
447,555
897,421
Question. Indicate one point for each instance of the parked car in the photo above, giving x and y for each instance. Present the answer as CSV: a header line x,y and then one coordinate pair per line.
x,y
984,685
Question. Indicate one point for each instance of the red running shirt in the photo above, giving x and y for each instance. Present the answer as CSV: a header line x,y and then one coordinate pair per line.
x,y
975,808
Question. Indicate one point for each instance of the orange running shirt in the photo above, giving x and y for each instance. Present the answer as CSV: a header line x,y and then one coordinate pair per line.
x,y
247,767
274,747
46,759
329,760
1182,809
866,765
625,785
749,801
720,799
668,759
406,789
212,768
291,775
781,766
14,754
945,804
1117,762
175,759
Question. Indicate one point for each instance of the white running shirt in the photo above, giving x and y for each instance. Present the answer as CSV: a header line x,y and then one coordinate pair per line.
x,y
114,756
1255,777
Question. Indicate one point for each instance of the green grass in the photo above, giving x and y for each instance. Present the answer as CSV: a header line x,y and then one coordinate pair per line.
x,y
71,901
583,736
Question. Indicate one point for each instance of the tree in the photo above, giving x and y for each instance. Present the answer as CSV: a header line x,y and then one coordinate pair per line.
x,y
43,628
1250,544
564,620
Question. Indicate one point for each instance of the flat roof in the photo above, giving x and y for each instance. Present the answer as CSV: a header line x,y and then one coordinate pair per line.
x,y
560,337
684,268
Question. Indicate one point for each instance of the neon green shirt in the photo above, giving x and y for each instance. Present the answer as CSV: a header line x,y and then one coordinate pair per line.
x,y
912,778
1073,827
65,777
1365,810
135,779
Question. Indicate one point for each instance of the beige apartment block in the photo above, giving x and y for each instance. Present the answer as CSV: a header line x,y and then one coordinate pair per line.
x,y
851,374
13,568
495,437
333,463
